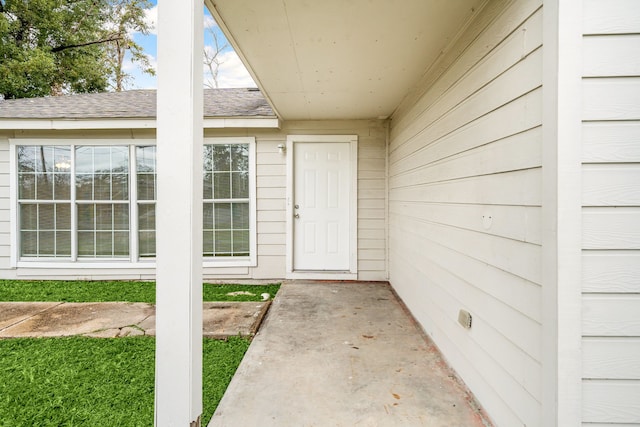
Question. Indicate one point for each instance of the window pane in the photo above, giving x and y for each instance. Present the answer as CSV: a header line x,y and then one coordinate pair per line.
x,y
44,186
44,159
223,242
40,226
146,159
240,185
121,243
63,216
84,186
102,187
147,243
226,176
207,190
241,216
28,217
120,160
84,160
241,243
104,244
101,159
207,217
86,220
46,243
146,186
62,159
104,217
207,158
106,169
240,157
222,216
120,216
26,159
146,230
26,186
222,185
86,243
207,243
120,187
63,243
62,186
147,217
46,217
221,158
28,243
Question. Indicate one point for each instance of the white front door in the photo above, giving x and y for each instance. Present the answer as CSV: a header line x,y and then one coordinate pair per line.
x,y
321,206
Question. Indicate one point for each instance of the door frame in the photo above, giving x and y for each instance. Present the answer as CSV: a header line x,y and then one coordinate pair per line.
x,y
352,274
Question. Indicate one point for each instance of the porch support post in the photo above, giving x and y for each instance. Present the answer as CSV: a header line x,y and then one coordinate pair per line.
x,y
561,213
178,393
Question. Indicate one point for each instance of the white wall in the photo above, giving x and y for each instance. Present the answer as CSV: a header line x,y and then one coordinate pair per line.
x,y
271,192
611,213
465,207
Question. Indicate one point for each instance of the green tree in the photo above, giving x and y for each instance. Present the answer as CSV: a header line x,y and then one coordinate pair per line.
x,y
124,17
51,47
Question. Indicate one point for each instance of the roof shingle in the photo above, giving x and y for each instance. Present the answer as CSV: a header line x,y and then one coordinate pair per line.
x,y
133,104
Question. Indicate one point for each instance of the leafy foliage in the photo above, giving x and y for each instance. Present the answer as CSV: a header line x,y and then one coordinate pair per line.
x,y
123,18
52,47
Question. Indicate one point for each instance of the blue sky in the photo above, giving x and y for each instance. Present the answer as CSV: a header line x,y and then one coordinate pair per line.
x,y
232,72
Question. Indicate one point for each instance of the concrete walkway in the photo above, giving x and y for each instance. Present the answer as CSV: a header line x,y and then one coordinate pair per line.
x,y
118,319
337,354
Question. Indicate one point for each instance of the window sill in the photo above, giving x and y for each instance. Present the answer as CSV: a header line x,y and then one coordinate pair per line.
x,y
116,264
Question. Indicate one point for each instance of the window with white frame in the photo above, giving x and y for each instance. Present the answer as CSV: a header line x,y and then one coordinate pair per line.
x,y
81,202
226,200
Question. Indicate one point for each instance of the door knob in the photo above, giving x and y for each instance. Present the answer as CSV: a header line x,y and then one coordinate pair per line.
x,y
296,216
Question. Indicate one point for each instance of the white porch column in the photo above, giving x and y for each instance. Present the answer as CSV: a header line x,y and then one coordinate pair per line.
x,y
178,394
561,213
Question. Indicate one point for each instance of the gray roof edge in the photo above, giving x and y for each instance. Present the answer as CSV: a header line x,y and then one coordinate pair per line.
x,y
132,105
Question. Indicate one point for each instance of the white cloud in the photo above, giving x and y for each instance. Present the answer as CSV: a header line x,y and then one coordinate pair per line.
x,y
209,22
151,18
232,72
128,65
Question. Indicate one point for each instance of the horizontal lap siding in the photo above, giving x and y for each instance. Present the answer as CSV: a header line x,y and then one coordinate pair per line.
x,y
464,208
270,204
611,213
5,228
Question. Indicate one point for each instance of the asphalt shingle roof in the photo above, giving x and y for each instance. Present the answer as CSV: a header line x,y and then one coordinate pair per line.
x,y
133,104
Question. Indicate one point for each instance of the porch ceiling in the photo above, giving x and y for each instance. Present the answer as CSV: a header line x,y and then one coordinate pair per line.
x,y
337,59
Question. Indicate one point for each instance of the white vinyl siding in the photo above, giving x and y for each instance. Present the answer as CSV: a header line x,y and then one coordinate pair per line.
x,y
271,195
270,168
611,213
5,204
465,207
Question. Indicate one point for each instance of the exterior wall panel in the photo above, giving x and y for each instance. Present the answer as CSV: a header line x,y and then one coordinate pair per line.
x,y
611,213
464,208
270,203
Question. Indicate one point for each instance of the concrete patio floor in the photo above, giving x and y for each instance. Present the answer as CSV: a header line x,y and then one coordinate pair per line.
x,y
118,319
344,354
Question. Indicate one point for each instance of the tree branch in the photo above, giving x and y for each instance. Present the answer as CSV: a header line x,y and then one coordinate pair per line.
x,y
113,38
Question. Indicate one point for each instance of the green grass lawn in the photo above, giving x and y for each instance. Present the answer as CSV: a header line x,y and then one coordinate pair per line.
x,y
100,291
82,381
79,381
